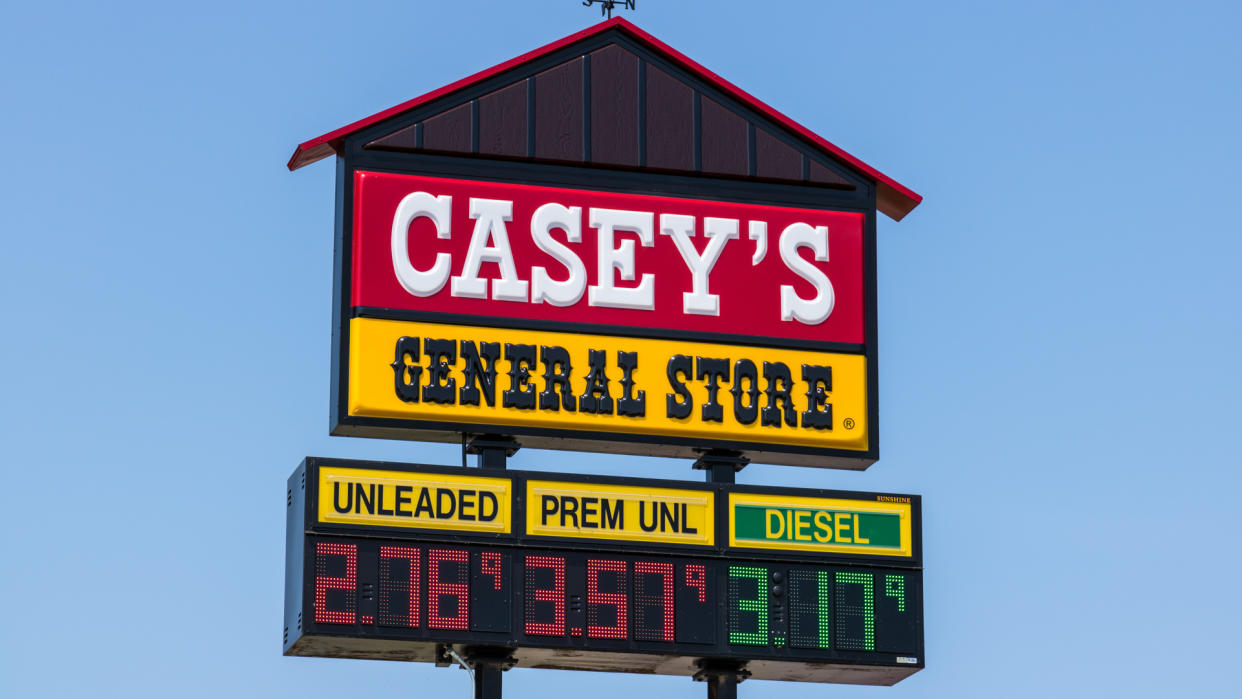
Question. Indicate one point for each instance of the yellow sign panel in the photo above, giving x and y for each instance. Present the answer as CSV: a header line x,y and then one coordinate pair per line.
x,y
463,374
419,500
823,525
619,512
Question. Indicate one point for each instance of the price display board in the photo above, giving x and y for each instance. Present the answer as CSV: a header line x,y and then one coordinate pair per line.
x,y
391,561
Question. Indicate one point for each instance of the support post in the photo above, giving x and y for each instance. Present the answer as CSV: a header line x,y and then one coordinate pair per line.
x,y
487,663
721,465
492,449
722,687
487,682
721,676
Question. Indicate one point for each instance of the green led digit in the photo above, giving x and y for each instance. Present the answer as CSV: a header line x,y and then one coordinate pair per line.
x,y
810,610
895,586
847,613
825,609
758,606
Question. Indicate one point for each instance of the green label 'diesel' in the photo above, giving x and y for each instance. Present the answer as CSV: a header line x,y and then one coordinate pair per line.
x,y
812,526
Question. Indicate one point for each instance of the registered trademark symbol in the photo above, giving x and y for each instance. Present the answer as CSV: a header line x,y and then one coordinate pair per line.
x,y
849,423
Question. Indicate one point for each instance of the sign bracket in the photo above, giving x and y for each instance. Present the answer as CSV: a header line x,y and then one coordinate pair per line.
x,y
451,653
488,663
722,677
721,465
492,449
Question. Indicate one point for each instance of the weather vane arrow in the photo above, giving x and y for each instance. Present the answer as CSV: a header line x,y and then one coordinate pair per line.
x,y
607,6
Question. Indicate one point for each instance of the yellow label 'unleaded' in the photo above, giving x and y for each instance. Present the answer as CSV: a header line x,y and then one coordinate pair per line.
x,y
417,500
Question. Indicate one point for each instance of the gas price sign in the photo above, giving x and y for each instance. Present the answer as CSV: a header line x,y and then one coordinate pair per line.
x,y
390,561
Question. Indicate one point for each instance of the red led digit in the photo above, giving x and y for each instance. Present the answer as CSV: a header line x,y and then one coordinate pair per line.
x,y
324,583
597,599
696,577
661,599
489,564
391,585
555,595
439,590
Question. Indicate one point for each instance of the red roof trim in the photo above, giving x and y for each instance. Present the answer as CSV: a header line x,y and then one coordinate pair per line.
x,y
892,198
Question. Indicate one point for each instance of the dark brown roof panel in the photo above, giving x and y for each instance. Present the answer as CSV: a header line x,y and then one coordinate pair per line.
x,y
558,112
502,121
451,131
670,121
821,174
404,139
776,159
614,106
724,140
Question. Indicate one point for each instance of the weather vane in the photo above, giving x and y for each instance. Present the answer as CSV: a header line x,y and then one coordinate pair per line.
x,y
607,6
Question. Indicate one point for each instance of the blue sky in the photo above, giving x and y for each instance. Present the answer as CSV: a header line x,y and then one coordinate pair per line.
x,y
1059,320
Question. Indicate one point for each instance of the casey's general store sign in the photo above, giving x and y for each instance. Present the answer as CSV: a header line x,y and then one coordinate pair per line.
x,y
626,263
615,252
603,246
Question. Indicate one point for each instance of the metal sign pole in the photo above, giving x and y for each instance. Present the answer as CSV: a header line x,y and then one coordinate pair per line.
x,y
489,662
721,676
487,682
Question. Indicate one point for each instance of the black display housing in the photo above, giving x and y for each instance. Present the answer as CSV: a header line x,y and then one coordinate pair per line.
x,y
503,587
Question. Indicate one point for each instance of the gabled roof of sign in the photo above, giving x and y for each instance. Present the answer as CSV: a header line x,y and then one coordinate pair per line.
x,y
502,122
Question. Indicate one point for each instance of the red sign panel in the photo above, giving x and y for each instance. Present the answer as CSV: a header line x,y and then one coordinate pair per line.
x,y
601,258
